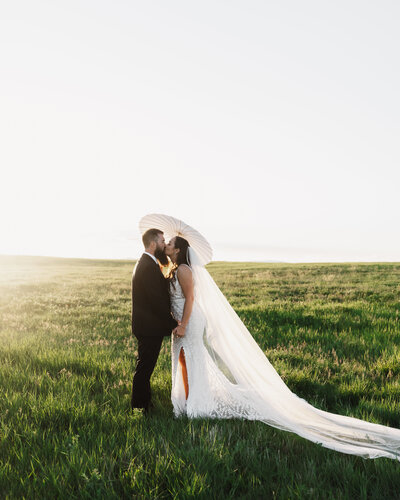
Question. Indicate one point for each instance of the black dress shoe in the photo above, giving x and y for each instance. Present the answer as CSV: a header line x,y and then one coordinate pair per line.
x,y
148,409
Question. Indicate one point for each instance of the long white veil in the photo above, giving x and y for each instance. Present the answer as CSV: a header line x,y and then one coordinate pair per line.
x,y
262,394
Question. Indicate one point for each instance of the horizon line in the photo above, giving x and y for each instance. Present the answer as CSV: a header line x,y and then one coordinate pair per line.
x,y
130,259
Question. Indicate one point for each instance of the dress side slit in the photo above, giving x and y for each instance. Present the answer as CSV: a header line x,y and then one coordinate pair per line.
x,y
182,362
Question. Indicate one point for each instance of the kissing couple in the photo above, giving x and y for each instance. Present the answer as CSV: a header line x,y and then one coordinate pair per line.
x,y
218,369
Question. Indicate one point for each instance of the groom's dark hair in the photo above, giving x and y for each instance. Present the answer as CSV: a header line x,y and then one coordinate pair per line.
x,y
150,235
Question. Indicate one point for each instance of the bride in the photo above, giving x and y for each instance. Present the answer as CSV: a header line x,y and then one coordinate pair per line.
x,y
219,371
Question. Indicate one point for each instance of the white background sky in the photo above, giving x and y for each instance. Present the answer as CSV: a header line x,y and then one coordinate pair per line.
x,y
271,126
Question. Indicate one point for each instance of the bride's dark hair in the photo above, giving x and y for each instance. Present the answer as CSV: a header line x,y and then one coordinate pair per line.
x,y
182,257
183,246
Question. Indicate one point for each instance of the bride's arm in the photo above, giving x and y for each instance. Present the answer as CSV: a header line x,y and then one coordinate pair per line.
x,y
184,274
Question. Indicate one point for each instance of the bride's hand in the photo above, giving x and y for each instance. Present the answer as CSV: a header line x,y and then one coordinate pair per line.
x,y
180,331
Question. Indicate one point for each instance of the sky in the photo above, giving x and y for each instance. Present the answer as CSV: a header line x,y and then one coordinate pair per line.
x,y
272,127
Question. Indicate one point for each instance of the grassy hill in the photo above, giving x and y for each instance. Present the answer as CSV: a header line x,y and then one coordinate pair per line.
x,y
67,357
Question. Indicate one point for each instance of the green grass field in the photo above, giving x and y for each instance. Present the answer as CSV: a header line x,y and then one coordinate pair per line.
x,y
67,357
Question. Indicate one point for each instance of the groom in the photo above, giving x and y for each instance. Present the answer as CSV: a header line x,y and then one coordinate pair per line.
x,y
151,314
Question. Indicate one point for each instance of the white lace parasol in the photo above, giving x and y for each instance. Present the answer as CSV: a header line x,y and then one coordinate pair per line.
x,y
174,227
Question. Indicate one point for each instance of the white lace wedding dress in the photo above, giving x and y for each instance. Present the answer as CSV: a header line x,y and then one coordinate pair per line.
x,y
211,394
229,376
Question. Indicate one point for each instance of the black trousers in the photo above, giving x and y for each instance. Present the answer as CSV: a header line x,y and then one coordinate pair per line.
x,y
148,351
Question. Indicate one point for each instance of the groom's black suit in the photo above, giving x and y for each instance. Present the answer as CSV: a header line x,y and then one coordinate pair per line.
x,y
151,321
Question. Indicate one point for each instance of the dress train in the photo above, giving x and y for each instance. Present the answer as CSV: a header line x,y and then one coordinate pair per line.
x,y
229,376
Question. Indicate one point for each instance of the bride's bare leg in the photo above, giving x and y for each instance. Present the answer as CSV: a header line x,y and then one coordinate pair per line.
x,y
182,362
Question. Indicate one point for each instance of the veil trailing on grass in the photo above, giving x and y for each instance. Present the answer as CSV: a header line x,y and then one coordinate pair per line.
x,y
252,389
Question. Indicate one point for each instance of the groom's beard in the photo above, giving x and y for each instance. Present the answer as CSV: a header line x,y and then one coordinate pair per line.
x,y
160,255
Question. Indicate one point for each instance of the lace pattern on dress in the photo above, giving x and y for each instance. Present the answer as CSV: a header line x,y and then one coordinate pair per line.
x,y
211,393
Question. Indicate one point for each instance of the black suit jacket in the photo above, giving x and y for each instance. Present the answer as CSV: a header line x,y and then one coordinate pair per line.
x,y
151,306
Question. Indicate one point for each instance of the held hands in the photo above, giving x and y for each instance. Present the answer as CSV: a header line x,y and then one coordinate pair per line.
x,y
179,331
